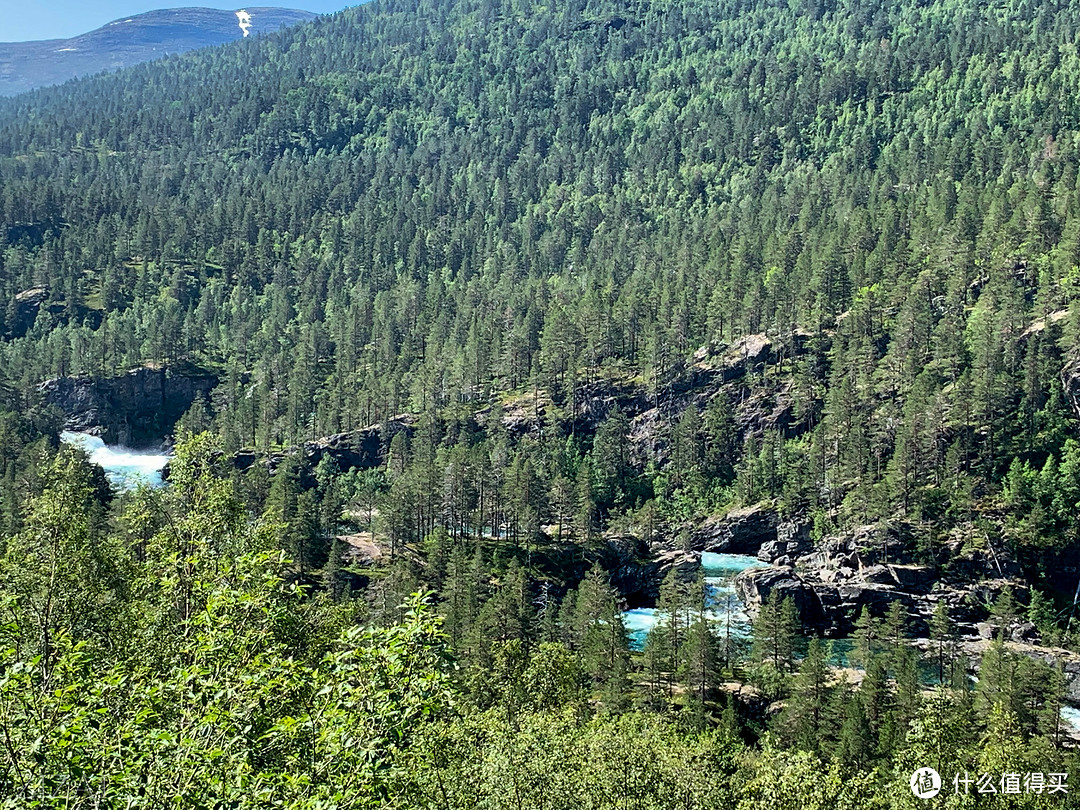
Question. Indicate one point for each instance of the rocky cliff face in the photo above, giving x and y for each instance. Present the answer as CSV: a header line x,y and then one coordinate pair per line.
x,y
136,408
358,450
761,407
740,531
1070,380
29,303
831,581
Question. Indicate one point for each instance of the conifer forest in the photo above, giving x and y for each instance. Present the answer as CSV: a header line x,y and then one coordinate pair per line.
x,y
596,405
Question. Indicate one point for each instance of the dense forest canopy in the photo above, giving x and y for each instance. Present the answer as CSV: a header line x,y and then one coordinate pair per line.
x,y
600,273
422,208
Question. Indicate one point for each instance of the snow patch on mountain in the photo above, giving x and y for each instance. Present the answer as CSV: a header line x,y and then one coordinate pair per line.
x,y
245,21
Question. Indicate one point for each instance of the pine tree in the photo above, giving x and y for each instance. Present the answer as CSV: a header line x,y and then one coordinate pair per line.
x,y
1040,612
670,631
855,745
894,635
720,438
586,507
686,450
600,637
908,689
460,595
699,661
865,637
943,639
1003,613
773,647
803,719
1049,721
609,461
334,576
876,700
997,684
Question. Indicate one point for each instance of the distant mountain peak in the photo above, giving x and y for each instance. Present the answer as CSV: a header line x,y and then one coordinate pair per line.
x,y
131,40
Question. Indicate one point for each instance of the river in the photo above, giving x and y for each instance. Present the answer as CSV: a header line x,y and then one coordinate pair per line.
x,y
127,468
124,467
726,609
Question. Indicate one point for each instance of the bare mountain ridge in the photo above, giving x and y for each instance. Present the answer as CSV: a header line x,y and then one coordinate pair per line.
x,y
131,40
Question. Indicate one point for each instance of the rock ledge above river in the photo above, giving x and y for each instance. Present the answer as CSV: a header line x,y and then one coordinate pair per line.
x,y
140,406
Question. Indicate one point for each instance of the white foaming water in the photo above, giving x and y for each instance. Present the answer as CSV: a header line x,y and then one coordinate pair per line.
x,y
727,609
245,21
125,468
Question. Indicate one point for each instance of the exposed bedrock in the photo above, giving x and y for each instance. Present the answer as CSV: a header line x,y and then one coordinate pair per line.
x,y
740,531
356,450
756,585
1070,380
138,407
636,572
833,579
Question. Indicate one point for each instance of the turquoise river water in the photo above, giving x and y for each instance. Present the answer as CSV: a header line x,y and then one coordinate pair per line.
x,y
124,467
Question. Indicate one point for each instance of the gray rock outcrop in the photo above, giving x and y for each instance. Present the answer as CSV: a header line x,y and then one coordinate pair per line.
x,y
756,585
792,540
740,531
1070,380
135,408
357,450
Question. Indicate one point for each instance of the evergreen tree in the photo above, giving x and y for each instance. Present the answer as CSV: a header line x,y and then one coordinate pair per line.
x,y
699,662
865,637
804,718
1003,613
600,638
773,650
945,648
855,745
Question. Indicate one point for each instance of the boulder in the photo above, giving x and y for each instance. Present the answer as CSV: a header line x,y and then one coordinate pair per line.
x,y
752,350
792,531
755,586
684,563
854,596
914,578
792,540
878,574
1024,633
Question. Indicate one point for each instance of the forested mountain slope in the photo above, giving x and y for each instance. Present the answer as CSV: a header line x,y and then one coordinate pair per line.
x,y
410,206
129,41
552,297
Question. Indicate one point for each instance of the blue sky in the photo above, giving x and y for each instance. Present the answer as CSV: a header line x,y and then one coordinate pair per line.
x,y
22,20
